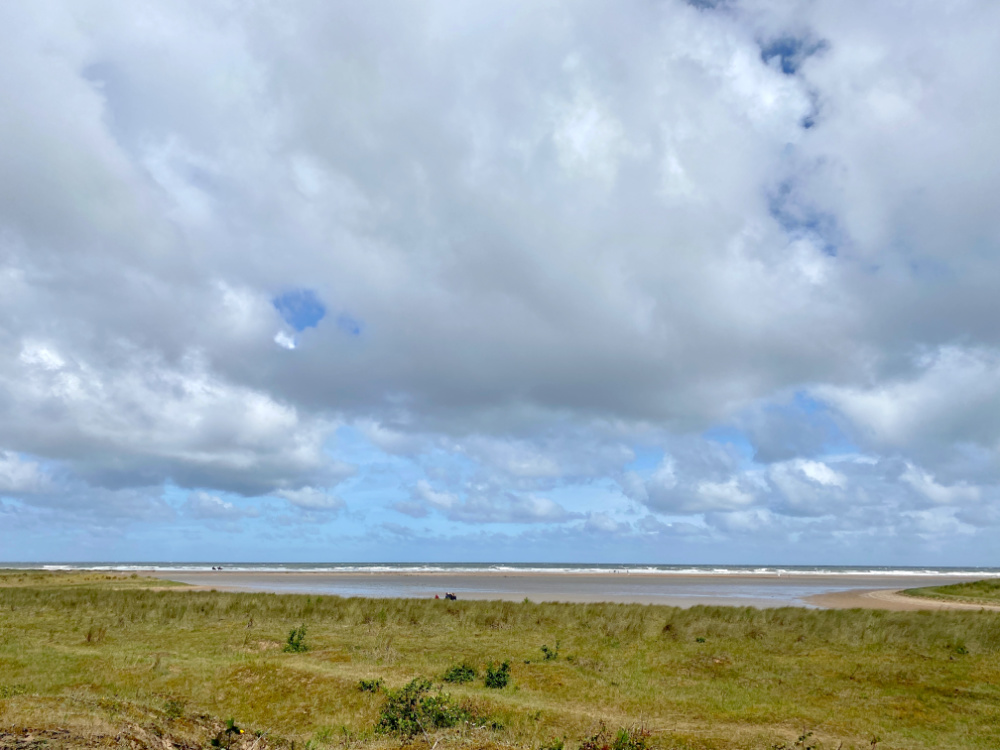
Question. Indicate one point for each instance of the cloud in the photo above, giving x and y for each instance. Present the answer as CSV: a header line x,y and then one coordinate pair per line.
x,y
284,340
602,523
313,499
924,483
146,420
944,397
18,475
204,506
513,250
485,507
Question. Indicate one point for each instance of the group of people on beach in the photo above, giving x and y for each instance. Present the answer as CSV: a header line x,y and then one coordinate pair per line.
x,y
447,595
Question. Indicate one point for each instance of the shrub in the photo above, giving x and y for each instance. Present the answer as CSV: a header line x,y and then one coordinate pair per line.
x,y
410,710
370,686
463,672
635,738
497,676
551,654
296,641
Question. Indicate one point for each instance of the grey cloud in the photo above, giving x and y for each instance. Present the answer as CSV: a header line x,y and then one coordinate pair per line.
x,y
984,515
945,413
80,506
782,430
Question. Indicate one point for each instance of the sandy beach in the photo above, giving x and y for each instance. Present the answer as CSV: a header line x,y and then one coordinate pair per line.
x,y
890,599
679,590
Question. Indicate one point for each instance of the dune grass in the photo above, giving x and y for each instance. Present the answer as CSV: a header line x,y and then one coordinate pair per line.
x,y
83,656
977,592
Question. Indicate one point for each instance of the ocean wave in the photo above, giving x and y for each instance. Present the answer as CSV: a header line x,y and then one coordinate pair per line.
x,y
552,569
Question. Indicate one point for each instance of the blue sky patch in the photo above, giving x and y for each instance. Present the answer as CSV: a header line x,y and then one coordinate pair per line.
x,y
789,52
300,308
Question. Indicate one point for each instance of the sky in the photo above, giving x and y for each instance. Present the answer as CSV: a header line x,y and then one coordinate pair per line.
x,y
644,281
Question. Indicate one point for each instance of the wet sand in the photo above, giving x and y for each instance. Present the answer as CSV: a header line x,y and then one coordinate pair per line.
x,y
679,590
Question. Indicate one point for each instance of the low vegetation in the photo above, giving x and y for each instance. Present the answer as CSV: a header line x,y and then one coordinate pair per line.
x,y
166,667
497,676
460,673
416,709
371,686
296,641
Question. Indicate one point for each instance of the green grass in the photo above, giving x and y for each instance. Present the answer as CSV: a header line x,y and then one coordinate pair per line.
x,y
978,592
177,664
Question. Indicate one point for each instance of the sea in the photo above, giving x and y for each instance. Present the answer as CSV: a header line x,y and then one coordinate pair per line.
x,y
494,567
680,585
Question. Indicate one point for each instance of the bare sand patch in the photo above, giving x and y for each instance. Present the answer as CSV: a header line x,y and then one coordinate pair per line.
x,y
890,599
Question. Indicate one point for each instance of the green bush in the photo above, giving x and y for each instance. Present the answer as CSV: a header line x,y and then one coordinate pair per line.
x,y
410,710
551,654
497,676
463,672
296,641
370,686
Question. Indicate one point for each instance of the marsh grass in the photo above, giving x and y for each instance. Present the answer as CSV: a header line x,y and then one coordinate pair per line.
x,y
759,678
